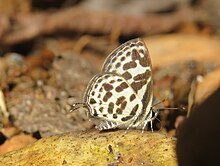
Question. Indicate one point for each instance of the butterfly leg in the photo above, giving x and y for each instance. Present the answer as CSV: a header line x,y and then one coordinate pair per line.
x,y
131,123
146,122
150,119
151,126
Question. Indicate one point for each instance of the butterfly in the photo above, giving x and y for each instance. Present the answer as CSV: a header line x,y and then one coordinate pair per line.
x,y
121,94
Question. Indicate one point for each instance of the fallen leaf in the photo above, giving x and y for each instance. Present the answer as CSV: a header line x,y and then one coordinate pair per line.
x,y
179,48
16,142
207,86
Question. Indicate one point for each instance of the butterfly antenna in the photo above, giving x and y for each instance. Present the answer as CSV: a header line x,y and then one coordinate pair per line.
x,y
174,108
76,106
159,109
158,103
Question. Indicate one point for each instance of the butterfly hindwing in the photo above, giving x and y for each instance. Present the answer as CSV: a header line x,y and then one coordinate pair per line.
x,y
111,98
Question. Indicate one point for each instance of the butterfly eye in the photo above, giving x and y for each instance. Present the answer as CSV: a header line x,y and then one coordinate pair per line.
x,y
76,106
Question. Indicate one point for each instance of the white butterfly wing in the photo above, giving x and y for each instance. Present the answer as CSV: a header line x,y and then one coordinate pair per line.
x,y
111,98
131,60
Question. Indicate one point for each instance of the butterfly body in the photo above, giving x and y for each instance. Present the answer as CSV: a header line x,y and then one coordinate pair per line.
x,y
121,94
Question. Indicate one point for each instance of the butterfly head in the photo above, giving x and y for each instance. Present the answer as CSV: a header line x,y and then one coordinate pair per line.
x,y
76,106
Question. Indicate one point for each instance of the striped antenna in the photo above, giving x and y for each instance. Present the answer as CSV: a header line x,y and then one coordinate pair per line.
x,y
159,109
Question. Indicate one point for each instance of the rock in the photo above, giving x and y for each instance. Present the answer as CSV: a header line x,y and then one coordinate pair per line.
x,y
97,148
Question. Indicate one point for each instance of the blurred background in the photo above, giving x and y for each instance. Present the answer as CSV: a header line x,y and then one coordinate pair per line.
x,y
50,49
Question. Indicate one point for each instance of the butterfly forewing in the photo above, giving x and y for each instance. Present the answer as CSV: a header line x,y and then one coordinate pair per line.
x,y
111,98
132,61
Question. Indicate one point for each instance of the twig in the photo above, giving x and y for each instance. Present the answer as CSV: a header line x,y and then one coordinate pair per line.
x,y
3,111
79,20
